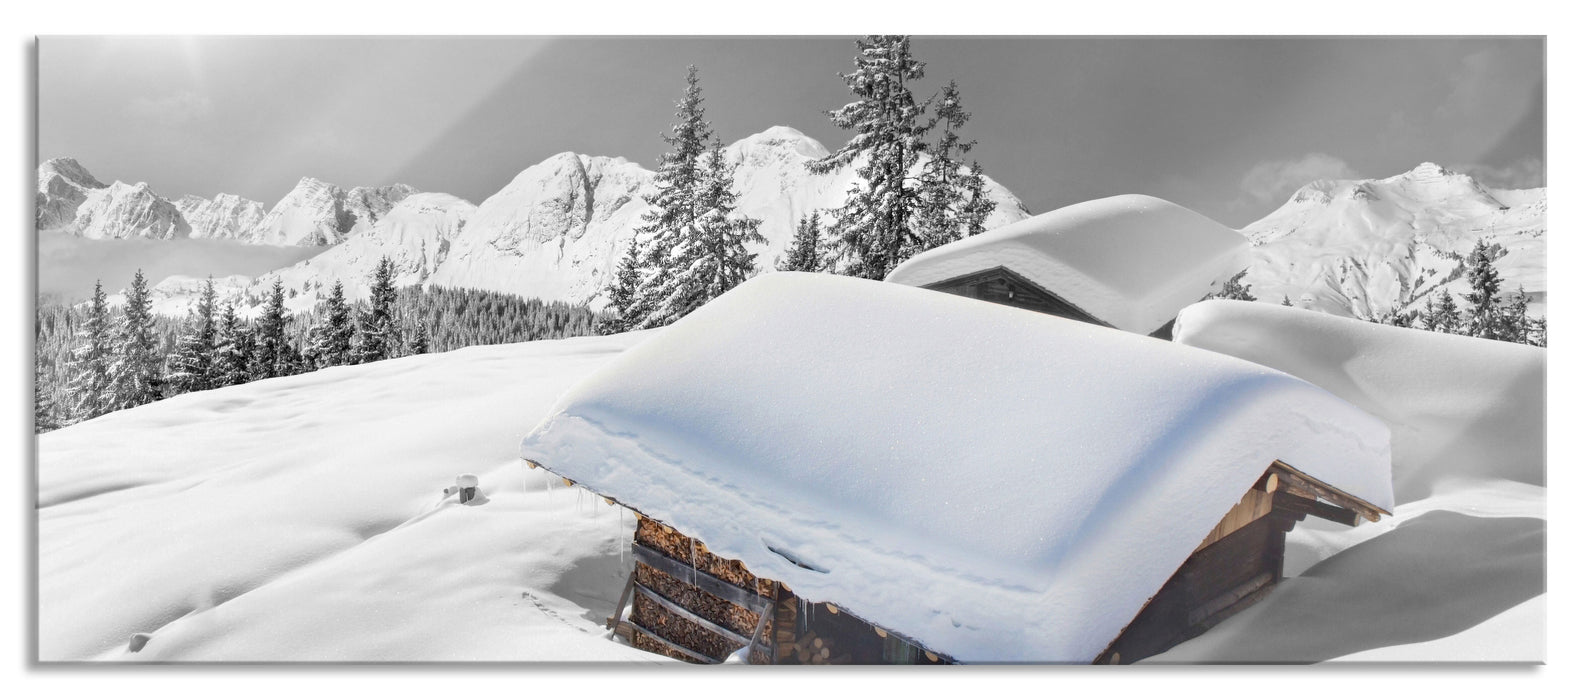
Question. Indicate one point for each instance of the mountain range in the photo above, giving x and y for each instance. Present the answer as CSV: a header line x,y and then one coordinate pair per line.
x,y
1360,248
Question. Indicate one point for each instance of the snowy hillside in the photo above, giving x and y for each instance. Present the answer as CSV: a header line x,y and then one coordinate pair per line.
x,y
301,519
1361,248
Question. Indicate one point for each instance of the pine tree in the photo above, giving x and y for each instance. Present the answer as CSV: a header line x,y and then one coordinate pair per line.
x,y
978,204
136,375
273,355
378,336
44,416
330,342
875,228
670,227
192,365
1285,300
714,258
1443,316
418,343
623,291
1484,317
89,386
945,212
1515,325
233,349
804,255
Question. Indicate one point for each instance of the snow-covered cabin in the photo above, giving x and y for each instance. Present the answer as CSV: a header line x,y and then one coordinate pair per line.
x,y
1130,262
843,470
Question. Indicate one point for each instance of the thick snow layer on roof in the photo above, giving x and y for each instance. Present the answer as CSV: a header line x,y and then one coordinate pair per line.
x,y
998,484
1132,260
1456,406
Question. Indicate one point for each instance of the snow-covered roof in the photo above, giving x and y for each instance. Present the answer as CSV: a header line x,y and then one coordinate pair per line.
x,y
995,484
1132,261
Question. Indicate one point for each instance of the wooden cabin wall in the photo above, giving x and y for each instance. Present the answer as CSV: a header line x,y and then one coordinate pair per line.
x,y
1002,286
1214,583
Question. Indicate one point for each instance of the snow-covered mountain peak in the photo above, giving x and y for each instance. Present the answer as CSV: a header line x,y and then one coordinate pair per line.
x,y
69,170
120,210
1365,248
226,217
779,138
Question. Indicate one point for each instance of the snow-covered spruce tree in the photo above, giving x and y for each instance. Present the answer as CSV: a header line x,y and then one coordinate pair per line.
x,y
949,197
89,383
233,349
1285,300
804,254
418,343
330,342
672,219
875,226
710,261
623,290
273,355
45,417
192,364
1441,314
137,370
378,336
978,206
1484,315
1515,325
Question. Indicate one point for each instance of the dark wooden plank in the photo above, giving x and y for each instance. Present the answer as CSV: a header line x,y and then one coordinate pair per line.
x,y
1297,504
672,645
679,611
620,605
686,574
1330,493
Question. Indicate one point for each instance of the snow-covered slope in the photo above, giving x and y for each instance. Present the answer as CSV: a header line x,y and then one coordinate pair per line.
x,y
63,184
416,235
226,217
319,213
300,519
812,427
128,211
1457,573
1362,248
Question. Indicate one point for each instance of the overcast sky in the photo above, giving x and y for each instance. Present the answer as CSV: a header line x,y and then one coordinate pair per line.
x,y
1227,126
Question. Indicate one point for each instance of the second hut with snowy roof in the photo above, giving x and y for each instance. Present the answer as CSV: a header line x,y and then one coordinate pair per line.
x,y
834,470
1130,262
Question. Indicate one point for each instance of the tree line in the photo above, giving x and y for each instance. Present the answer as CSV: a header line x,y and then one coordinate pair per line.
x,y
911,194
97,359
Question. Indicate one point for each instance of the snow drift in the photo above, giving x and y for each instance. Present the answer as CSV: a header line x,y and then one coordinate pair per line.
x,y
1456,406
940,465
1458,574
1132,261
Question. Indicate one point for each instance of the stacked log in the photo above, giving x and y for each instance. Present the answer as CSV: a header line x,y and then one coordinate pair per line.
x,y
685,549
719,611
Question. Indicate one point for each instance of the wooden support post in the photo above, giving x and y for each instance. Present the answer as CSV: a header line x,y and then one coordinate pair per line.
x,y
620,605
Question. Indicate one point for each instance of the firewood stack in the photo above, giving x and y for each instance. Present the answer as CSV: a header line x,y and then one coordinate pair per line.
x,y
675,628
